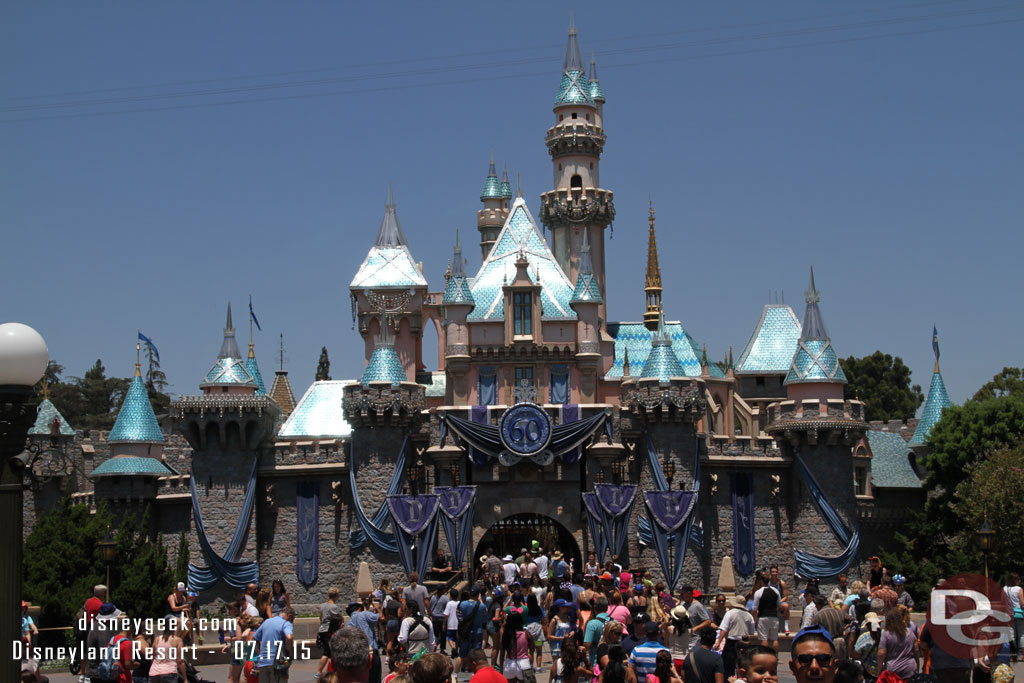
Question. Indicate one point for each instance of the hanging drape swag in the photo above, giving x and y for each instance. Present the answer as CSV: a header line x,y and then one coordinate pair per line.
x,y
644,532
458,507
486,439
744,547
811,566
375,529
307,532
234,573
595,514
414,520
672,513
571,413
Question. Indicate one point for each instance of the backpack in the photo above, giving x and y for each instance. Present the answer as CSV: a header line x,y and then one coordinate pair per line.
x,y
466,624
110,668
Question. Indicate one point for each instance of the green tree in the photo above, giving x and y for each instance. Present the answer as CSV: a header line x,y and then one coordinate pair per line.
x,y
181,563
883,384
1009,382
156,384
323,368
142,580
992,492
61,560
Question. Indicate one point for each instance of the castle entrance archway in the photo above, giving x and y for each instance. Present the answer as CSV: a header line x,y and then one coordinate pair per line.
x,y
508,536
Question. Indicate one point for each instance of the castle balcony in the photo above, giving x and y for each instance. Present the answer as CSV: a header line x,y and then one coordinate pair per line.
x,y
585,205
835,419
380,404
226,422
721,448
648,399
578,130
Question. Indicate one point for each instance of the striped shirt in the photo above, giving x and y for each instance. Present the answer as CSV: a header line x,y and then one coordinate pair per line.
x,y
644,656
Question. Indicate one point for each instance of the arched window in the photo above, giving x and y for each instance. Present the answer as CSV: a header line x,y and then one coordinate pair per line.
x,y
576,183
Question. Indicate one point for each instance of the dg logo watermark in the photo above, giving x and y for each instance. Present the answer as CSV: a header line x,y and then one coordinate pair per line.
x,y
968,616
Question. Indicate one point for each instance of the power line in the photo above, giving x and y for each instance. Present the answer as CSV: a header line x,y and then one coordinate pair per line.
x,y
434,84
422,58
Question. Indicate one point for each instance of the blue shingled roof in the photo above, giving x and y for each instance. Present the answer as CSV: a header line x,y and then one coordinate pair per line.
x,y
384,366
773,343
574,88
135,420
662,362
890,462
637,339
229,371
586,290
932,411
129,465
520,232
46,413
815,361
254,371
319,413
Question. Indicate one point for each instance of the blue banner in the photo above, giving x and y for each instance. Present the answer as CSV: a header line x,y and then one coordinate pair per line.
x,y
744,548
307,531
458,504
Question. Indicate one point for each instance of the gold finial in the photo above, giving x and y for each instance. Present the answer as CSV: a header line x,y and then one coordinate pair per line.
x,y
252,354
650,219
138,359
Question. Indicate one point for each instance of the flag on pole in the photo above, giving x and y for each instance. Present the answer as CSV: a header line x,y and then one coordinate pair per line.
x,y
149,344
935,342
252,315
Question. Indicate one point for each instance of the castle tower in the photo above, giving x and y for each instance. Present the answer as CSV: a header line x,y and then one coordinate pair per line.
x,y
937,400
662,363
136,449
815,372
388,291
281,389
229,374
586,301
250,360
495,198
458,301
652,281
577,204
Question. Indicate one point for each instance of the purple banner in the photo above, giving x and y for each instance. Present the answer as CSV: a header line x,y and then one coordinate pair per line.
x,y
669,509
571,413
455,500
615,498
413,513
307,527
743,545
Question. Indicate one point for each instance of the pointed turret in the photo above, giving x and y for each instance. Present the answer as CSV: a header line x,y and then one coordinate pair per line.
x,y
652,281
586,290
229,348
389,262
254,371
662,363
457,290
49,421
390,233
136,422
815,360
938,399
506,186
574,88
229,373
384,365
596,93
492,189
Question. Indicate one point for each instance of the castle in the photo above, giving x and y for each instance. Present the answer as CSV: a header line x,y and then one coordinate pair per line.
x,y
556,423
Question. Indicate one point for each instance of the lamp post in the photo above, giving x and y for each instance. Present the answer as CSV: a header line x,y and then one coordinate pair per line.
x,y
23,359
108,553
670,471
986,537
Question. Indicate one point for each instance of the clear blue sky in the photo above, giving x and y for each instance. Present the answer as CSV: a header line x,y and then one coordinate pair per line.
x,y
160,159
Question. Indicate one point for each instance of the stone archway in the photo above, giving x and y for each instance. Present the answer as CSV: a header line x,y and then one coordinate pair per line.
x,y
509,535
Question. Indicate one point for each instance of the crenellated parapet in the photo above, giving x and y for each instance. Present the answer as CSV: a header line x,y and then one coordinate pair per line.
x,y
577,206
810,420
681,399
228,422
567,140
383,404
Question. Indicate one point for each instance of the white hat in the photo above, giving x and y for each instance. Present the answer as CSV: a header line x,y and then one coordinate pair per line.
x,y
181,585
507,558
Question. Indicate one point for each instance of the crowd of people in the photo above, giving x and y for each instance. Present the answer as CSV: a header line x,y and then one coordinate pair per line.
x,y
607,623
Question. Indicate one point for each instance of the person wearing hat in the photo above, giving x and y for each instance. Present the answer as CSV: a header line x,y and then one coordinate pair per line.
x,y
902,596
103,629
866,646
736,626
178,602
560,627
697,613
510,569
559,567
813,656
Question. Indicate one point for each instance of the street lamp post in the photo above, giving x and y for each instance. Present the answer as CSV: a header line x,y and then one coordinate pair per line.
x,y
986,537
23,359
108,553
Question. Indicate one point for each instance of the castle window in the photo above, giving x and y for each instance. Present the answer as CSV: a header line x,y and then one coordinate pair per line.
x,y
576,183
860,480
561,117
588,117
522,313
559,383
524,374
591,165
575,115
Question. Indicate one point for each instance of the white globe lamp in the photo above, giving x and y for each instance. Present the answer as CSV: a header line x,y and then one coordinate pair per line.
x,y
23,355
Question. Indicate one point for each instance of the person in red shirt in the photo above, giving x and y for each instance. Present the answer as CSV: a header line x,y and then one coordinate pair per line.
x,y
125,650
93,604
483,672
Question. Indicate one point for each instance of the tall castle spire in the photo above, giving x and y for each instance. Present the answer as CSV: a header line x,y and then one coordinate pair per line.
x,y
938,399
229,347
652,281
815,361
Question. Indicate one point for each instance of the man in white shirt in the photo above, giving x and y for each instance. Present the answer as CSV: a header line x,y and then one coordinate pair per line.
x,y
736,625
510,569
542,564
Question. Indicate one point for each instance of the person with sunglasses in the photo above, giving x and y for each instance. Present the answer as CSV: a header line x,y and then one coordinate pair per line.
x,y
813,656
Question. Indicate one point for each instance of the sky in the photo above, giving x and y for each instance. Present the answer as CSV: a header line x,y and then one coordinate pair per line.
x,y
162,159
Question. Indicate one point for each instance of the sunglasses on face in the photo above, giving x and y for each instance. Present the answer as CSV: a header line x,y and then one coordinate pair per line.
x,y
822,659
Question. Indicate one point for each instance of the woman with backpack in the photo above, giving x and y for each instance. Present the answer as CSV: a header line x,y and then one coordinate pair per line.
x,y
534,622
416,633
